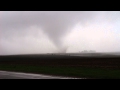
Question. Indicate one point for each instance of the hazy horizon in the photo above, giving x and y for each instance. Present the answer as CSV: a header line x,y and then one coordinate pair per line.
x,y
35,32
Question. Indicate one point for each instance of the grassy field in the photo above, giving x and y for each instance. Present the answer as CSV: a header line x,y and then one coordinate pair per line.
x,y
87,67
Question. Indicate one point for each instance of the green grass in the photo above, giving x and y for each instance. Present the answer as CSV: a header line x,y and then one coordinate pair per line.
x,y
66,71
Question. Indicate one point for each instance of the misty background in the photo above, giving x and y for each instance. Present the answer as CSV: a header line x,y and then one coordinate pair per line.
x,y
34,32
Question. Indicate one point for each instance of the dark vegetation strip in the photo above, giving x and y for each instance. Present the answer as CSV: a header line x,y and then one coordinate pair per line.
x,y
88,67
81,72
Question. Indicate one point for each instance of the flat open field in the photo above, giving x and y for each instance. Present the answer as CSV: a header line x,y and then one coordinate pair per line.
x,y
106,67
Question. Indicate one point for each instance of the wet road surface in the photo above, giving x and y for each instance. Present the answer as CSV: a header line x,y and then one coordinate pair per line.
x,y
15,75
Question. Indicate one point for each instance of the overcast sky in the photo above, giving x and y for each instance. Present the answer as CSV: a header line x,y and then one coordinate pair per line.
x,y
27,32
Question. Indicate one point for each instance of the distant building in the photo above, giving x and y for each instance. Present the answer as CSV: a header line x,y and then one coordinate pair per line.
x,y
84,51
90,51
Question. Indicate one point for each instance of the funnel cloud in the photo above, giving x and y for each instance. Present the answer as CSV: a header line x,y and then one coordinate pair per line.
x,y
27,32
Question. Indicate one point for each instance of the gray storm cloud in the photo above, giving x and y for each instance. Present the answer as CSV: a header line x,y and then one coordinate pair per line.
x,y
56,26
